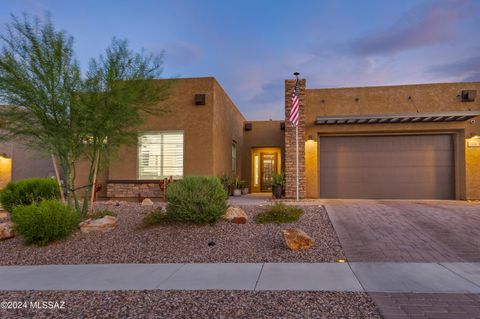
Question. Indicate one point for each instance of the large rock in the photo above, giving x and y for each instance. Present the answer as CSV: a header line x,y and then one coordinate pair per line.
x,y
297,239
104,224
236,215
147,202
6,231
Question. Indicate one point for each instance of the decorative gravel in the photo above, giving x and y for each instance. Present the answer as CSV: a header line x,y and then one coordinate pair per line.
x,y
195,304
131,243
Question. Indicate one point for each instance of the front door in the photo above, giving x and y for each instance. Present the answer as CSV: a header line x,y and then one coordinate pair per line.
x,y
268,165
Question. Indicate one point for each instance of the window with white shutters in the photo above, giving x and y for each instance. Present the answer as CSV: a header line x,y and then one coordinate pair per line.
x,y
160,155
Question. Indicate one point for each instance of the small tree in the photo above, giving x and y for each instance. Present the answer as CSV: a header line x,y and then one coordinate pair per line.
x,y
54,110
38,78
119,92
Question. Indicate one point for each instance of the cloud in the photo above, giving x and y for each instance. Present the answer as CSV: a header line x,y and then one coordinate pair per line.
x,y
425,25
465,70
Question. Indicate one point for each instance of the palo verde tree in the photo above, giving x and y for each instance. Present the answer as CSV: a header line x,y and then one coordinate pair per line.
x,y
118,93
52,108
38,78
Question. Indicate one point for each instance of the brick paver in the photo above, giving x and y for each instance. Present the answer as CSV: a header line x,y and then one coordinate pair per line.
x,y
415,305
412,231
407,231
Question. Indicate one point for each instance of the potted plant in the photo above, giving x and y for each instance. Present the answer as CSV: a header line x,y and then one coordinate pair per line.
x,y
244,187
226,181
237,187
278,182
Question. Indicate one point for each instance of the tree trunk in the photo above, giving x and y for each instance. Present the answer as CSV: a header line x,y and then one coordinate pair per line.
x,y
88,189
57,176
94,182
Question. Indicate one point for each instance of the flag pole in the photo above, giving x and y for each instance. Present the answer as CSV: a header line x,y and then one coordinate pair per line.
x,y
296,140
296,136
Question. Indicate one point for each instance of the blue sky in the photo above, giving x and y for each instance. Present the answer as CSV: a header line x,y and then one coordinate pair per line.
x,y
251,47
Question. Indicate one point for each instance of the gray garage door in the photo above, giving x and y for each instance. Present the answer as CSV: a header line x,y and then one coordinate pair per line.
x,y
396,167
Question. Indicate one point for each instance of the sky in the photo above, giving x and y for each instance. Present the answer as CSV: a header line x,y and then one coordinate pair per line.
x,y
252,46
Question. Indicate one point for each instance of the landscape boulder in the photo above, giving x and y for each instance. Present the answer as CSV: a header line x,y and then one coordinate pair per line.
x,y
6,230
147,202
104,224
236,215
297,239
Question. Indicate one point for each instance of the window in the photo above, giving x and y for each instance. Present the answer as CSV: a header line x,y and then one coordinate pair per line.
x,y
160,155
234,157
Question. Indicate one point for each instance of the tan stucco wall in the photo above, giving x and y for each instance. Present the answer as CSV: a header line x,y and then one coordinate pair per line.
x,y
263,134
441,97
194,120
228,125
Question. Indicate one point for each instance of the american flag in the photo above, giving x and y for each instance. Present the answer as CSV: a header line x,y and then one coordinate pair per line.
x,y
294,112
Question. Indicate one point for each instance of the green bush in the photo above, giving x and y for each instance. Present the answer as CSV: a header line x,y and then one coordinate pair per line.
x,y
28,191
279,213
156,217
196,199
46,222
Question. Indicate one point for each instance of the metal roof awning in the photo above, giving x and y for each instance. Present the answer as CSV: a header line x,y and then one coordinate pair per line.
x,y
398,118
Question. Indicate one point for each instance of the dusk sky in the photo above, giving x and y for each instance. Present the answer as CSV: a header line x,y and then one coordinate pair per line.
x,y
251,47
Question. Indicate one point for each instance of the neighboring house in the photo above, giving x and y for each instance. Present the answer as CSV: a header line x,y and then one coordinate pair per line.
x,y
19,162
408,141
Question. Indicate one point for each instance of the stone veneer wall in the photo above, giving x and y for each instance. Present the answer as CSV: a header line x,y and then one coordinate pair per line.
x,y
290,144
145,189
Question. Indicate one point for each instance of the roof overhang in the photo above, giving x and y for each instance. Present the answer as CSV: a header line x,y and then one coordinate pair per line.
x,y
398,118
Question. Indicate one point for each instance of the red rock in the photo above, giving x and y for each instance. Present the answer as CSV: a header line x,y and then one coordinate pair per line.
x,y
236,215
6,231
297,239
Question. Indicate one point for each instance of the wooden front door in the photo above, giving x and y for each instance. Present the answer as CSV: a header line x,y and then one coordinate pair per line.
x,y
268,166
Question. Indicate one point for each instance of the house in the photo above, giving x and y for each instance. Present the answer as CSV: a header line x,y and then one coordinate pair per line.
x,y
406,141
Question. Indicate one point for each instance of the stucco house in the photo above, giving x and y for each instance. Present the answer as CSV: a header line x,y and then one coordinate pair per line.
x,y
407,141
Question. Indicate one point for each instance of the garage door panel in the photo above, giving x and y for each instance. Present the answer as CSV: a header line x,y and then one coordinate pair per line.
x,y
387,167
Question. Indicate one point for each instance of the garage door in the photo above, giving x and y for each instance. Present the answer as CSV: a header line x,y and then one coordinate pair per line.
x,y
383,167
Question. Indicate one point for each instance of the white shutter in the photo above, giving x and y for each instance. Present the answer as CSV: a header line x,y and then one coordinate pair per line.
x,y
160,155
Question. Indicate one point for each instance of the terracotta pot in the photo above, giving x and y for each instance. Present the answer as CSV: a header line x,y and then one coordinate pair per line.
x,y
245,191
237,192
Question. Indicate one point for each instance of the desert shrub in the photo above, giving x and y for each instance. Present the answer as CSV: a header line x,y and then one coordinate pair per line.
x,y
100,214
279,213
196,199
156,217
28,191
48,221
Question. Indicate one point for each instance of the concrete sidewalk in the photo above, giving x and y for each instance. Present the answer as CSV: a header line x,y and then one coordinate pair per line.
x,y
355,276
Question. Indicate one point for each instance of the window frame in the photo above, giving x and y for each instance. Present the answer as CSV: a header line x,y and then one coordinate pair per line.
x,y
140,133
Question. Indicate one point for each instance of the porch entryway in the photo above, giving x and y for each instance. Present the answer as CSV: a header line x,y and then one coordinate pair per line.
x,y
266,161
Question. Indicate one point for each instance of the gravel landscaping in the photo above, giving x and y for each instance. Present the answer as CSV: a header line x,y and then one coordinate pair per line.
x,y
195,304
130,243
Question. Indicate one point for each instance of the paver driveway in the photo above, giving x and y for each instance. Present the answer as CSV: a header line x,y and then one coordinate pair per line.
x,y
407,231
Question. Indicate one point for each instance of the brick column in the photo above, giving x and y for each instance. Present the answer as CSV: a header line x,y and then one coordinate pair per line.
x,y
290,143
